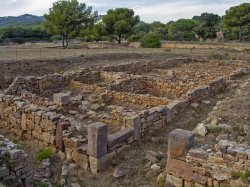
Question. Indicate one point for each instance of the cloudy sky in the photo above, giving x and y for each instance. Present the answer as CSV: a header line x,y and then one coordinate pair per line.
x,y
148,10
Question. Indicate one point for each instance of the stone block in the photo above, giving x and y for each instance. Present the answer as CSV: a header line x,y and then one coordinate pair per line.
x,y
100,164
238,183
199,179
97,140
119,137
180,169
198,153
188,184
61,98
134,122
179,142
81,159
175,181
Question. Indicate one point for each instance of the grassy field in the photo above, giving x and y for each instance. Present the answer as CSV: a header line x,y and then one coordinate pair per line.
x,y
50,51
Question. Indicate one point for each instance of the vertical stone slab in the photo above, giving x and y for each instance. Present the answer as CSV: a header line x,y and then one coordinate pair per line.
x,y
135,123
97,140
59,137
179,142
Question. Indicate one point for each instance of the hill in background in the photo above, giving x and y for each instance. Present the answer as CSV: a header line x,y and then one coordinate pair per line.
x,y
23,20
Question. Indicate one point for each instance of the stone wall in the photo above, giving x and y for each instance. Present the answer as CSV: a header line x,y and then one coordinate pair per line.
x,y
35,117
14,167
190,164
30,121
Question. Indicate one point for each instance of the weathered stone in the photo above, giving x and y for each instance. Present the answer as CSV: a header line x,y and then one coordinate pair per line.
x,y
61,98
199,179
135,123
175,181
201,129
119,137
180,141
100,164
180,169
238,183
198,153
97,140
81,159
155,168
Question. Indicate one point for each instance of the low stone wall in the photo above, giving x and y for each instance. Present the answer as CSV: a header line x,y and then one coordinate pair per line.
x,y
47,128
14,167
30,121
201,165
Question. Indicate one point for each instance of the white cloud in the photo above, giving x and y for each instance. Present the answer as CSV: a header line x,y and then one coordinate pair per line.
x,y
175,10
149,10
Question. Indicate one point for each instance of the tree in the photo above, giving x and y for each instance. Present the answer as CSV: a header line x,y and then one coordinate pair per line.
x,y
67,18
119,23
150,40
208,25
182,29
160,29
239,17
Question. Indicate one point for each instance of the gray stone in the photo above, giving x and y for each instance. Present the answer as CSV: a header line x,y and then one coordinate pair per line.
x,y
97,140
61,98
100,164
135,123
155,168
179,142
119,137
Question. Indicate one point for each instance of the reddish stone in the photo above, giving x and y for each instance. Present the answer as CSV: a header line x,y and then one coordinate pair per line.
x,y
180,169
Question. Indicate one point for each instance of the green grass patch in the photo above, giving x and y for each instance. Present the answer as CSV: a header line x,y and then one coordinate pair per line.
x,y
44,154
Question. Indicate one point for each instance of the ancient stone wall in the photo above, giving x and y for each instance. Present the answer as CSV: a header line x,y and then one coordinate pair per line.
x,y
191,164
30,121
36,118
14,167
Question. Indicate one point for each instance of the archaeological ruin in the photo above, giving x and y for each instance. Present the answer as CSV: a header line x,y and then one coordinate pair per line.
x,y
93,113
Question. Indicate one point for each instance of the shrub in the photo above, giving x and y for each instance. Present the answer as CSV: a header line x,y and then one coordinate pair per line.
x,y
44,154
18,40
150,40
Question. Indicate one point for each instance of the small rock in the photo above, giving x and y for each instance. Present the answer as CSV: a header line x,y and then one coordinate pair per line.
x,y
119,172
155,168
207,102
201,129
75,185
72,112
195,105
95,107
215,121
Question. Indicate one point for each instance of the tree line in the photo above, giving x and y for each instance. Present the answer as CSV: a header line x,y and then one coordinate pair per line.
x,y
68,19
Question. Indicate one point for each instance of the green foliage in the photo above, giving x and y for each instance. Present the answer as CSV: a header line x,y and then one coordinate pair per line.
x,y
237,174
6,160
208,25
151,40
41,184
67,18
162,182
44,154
238,17
23,34
239,129
119,23
182,30
160,29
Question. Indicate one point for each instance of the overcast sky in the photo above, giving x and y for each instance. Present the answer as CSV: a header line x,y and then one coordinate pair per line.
x,y
148,10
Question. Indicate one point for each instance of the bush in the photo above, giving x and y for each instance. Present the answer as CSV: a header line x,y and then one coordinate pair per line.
x,y
151,40
18,40
44,154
